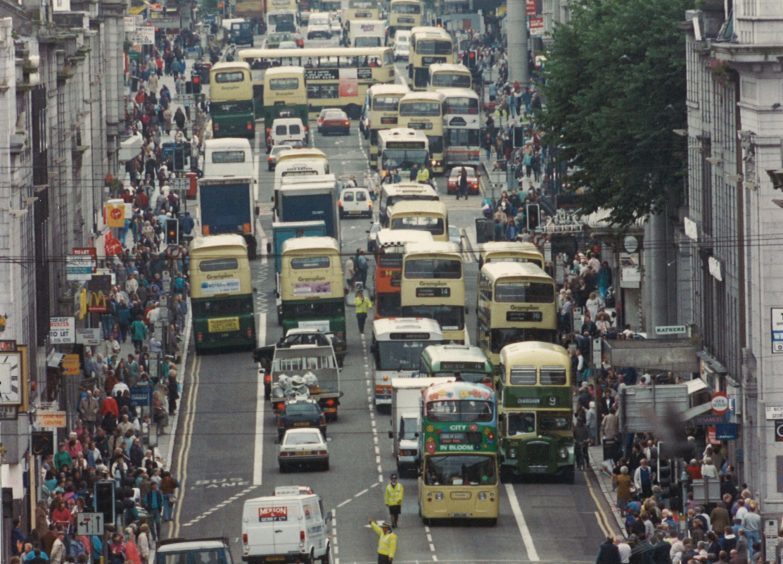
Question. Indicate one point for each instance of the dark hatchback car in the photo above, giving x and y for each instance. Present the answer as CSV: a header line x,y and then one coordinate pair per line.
x,y
300,413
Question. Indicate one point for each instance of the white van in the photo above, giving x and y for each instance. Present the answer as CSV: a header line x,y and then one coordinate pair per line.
x,y
402,44
228,156
289,526
287,130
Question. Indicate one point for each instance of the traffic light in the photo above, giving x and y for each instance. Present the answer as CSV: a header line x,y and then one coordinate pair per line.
x,y
665,477
533,213
195,79
470,58
103,500
172,231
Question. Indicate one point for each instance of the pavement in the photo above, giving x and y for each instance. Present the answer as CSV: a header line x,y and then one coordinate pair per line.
x,y
603,484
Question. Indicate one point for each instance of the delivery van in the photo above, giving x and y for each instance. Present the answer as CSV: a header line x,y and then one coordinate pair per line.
x,y
228,156
290,526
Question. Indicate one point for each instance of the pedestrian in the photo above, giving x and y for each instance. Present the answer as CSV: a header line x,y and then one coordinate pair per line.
x,y
361,267
387,541
392,497
414,173
350,273
138,331
608,553
172,392
463,184
168,487
363,306
643,479
153,503
58,552
423,175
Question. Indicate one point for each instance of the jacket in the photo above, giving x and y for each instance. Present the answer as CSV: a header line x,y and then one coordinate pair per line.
x,y
363,305
387,542
393,494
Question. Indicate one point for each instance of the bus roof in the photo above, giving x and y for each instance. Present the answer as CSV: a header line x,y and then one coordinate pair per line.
x,y
392,237
411,188
508,246
453,92
301,153
457,390
495,270
419,383
388,89
283,71
385,326
430,32
401,133
232,65
314,52
310,244
219,243
457,353
308,179
449,67
536,353
434,248
418,206
227,143
405,2
418,96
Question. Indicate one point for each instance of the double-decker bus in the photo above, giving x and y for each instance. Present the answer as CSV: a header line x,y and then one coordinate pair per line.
x,y
399,149
336,77
459,478
311,286
516,302
231,105
428,45
424,111
510,251
396,346
431,217
221,293
536,410
461,126
380,107
466,363
449,75
405,14
280,92
361,10
389,250
393,193
281,15
433,285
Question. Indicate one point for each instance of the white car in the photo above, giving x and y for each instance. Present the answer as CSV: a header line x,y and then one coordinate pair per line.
x,y
355,202
287,131
402,44
305,446
288,45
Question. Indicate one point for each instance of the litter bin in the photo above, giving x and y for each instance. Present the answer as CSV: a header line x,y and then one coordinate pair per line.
x,y
611,449
485,230
192,185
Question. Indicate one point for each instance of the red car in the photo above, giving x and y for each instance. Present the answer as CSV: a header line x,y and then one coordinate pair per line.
x,y
452,185
332,120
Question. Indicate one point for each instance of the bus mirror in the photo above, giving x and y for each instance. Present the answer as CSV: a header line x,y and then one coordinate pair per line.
x,y
416,435
257,210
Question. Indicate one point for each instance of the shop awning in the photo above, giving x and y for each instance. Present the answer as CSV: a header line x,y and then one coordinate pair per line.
x,y
696,411
54,359
675,355
695,385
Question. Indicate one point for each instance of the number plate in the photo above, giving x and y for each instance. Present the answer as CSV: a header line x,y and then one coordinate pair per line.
x,y
223,324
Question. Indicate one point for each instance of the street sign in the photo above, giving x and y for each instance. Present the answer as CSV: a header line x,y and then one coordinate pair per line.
x,y
50,418
778,426
708,419
771,540
78,268
88,524
726,431
89,336
62,330
719,403
776,320
141,395
536,25
71,365
671,330
774,412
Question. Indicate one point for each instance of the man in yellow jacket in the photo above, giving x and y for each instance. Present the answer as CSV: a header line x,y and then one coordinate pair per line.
x,y
387,541
392,497
363,306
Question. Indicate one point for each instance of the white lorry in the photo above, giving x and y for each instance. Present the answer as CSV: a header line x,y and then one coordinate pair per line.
x,y
406,419
368,33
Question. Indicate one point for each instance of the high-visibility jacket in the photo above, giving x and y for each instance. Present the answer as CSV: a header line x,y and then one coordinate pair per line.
x,y
363,305
423,175
393,494
387,542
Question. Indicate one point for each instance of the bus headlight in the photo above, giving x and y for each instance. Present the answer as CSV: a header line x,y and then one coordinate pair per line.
x,y
564,453
512,453
438,496
482,496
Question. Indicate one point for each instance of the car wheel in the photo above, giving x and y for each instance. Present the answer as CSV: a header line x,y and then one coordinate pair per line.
x,y
327,557
325,466
283,468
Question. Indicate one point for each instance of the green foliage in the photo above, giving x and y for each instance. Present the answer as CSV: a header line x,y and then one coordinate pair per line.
x,y
615,90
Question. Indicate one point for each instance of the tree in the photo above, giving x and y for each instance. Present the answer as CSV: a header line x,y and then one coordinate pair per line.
x,y
615,91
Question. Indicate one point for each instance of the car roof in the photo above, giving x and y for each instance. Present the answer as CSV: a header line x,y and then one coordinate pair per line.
x,y
303,431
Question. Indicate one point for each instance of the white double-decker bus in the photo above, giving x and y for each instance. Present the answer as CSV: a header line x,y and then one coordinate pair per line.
x,y
461,126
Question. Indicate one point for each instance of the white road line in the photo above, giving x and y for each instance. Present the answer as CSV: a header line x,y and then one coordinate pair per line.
x,y
364,491
258,455
524,532
343,504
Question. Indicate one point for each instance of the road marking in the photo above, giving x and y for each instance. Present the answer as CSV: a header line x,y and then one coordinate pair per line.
x,y
334,544
603,520
219,506
343,504
361,493
428,534
187,439
524,532
258,455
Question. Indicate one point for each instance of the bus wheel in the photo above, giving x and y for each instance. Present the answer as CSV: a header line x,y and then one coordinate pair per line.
x,y
491,522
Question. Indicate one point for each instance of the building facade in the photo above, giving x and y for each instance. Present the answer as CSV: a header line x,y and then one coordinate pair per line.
x,y
729,233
